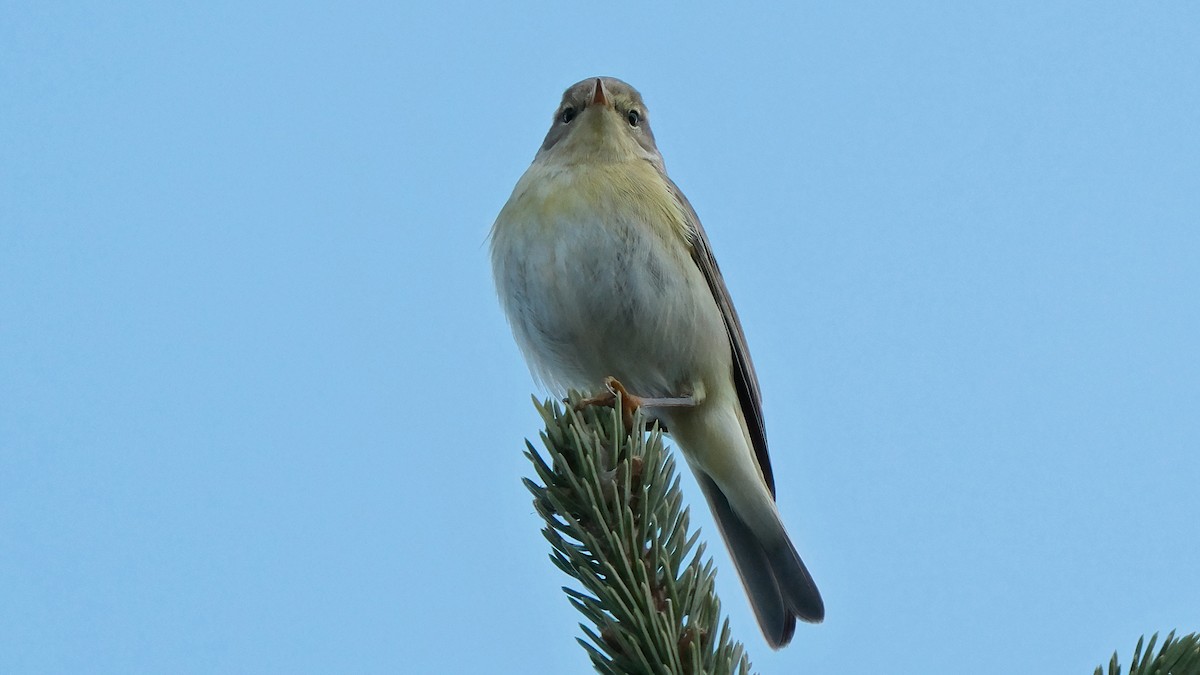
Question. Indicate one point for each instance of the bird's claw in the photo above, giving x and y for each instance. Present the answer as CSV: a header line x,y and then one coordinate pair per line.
x,y
614,390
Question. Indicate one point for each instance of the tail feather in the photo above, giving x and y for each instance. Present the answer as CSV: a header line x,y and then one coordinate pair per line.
x,y
778,584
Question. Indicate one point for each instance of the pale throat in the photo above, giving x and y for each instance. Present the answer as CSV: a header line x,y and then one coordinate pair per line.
x,y
631,188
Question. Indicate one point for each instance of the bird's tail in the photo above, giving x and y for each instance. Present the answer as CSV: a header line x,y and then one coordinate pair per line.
x,y
778,584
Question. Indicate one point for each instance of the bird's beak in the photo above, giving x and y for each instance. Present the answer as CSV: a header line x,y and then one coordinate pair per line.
x,y
598,97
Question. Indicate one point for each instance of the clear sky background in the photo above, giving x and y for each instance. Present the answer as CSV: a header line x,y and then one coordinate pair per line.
x,y
260,411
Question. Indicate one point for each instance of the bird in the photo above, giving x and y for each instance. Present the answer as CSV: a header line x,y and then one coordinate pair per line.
x,y
608,281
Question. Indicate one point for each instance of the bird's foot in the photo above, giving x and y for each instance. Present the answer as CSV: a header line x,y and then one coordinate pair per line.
x,y
631,402
614,391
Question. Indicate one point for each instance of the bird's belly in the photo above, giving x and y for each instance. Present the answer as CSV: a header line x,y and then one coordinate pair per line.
x,y
613,298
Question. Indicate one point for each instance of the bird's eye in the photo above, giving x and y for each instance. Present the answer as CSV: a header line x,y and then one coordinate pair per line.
x,y
634,117
567,115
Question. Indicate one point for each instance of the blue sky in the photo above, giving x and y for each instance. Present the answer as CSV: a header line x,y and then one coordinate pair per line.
x,y
260,412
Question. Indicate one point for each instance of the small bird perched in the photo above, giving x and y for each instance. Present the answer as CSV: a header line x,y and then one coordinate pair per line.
x,y
608,280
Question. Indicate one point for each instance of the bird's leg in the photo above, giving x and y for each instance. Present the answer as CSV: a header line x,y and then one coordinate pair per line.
x,y
631,402
608,398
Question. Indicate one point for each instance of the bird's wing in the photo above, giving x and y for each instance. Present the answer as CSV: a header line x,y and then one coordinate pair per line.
x,y
743,368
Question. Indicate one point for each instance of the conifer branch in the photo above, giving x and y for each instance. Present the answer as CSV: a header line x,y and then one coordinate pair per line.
x,y
1175,657
615,519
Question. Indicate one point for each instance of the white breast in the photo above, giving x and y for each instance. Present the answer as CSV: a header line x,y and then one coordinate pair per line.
x,y
597,281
